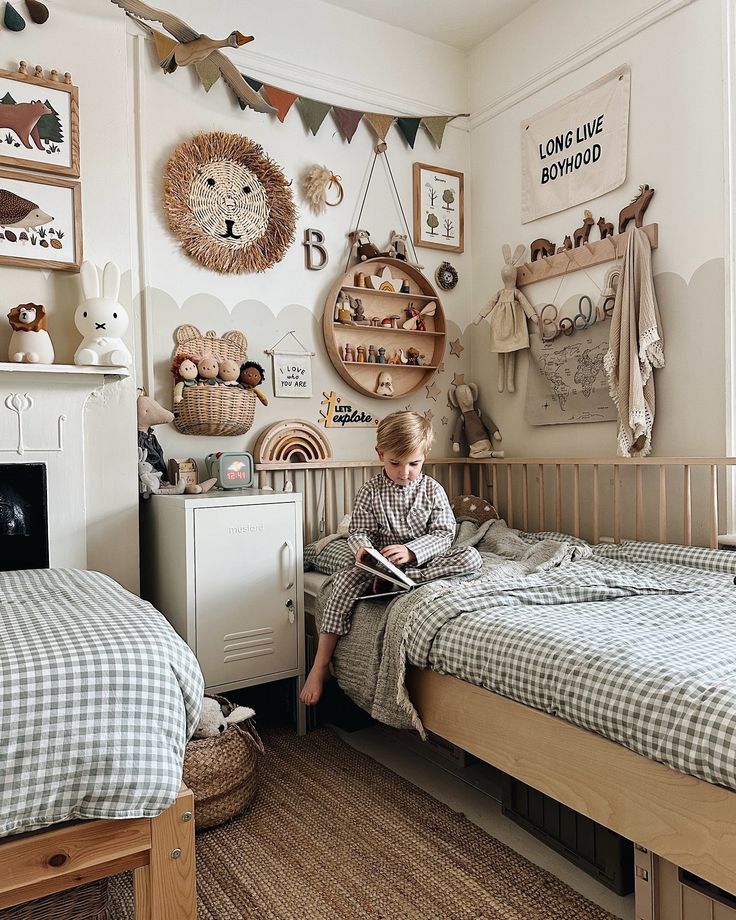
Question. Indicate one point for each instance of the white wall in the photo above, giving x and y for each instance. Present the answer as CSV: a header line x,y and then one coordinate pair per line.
x,y
87,38
675,144
328,54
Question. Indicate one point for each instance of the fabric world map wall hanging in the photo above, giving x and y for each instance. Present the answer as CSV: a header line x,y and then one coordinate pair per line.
x,y
576,150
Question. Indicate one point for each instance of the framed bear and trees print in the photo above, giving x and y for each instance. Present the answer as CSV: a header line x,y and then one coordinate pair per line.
x,y
39,122
439,208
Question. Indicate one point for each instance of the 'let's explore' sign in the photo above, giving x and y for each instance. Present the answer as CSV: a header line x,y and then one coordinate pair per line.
x,y
576,150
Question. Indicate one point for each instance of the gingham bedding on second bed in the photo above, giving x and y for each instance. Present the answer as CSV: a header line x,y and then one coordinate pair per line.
x,y
640,652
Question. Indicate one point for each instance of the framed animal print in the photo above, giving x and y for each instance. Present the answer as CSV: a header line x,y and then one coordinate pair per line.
x,y
39,122
439,208
40,221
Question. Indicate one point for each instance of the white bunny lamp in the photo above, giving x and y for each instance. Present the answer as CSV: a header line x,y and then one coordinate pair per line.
x,y
101,320
509,331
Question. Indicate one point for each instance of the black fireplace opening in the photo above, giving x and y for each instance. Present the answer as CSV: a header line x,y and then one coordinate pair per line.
x,y
24,521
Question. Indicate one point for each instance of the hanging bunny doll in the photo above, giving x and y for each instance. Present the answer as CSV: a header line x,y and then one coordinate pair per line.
x,y
509,311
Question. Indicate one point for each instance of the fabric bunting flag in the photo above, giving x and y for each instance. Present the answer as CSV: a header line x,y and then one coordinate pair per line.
x,y
347,121
255,85
280,100
409,128
379,123
313,112
208,73
164,45
436,125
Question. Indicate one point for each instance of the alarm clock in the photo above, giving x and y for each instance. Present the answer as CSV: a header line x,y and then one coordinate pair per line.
x,y
231,470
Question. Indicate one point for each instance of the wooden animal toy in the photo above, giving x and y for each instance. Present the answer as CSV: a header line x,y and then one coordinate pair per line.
x,y
605,227
580,236
30,342
509,310
566,244
635,210
362,249
541,248
189,47
101,319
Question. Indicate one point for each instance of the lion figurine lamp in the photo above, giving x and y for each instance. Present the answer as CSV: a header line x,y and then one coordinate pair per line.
x,y
30,342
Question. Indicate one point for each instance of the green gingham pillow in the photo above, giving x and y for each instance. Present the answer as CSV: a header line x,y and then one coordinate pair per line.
x,y
696,557
335,557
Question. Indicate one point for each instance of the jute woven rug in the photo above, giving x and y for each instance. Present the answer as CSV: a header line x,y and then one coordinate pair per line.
x,y
333,835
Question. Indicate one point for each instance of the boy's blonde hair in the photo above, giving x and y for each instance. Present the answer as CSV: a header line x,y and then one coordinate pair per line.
x,y
404,433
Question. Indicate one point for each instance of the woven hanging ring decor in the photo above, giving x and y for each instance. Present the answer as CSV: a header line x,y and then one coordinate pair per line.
x,y
228,203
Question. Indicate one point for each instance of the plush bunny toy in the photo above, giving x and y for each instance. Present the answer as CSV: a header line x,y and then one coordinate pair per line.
x,y
213,721
101,320
509,311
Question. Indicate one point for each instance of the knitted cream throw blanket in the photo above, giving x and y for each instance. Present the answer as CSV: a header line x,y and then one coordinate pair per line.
x,y
635,348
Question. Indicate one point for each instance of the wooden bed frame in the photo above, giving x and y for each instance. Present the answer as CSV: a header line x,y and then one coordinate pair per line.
x,y
688,821
159,850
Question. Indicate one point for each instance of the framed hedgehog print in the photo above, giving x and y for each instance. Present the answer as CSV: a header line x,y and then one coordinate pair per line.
x,y
40,221
39,122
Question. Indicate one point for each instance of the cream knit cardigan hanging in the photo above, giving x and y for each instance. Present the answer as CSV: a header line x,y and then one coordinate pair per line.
x,y
635,348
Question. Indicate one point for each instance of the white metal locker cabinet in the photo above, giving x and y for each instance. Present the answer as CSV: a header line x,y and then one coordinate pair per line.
x,y
245,591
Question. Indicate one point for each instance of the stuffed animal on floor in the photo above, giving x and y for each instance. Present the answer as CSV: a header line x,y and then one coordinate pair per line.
x,y
213,720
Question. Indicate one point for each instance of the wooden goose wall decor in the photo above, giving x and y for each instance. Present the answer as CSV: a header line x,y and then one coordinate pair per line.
x,y
191,47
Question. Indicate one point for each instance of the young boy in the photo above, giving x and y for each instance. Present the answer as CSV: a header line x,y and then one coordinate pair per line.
x,y
405,515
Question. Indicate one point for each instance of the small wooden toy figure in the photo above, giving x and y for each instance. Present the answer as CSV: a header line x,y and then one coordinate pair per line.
x,y
251,375
507,310
361,354
348,352
359,316
381,359
371,354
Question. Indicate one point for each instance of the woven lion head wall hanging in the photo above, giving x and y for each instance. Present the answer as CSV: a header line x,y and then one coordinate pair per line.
x,y
228,203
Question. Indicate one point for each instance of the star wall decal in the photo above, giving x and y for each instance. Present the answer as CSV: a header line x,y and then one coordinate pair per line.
x,y
456,348
458,379
433,391
429,415
444,419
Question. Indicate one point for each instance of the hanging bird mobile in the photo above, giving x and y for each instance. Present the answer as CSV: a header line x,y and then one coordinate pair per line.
x,y
190,47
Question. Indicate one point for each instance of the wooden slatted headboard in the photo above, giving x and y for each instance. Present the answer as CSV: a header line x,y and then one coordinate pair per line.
x,y
661,499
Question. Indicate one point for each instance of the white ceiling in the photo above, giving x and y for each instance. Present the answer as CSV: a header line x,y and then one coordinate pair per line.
x,y
462,23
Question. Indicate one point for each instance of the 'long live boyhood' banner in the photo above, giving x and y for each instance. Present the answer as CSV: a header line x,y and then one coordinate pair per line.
x,y
576,149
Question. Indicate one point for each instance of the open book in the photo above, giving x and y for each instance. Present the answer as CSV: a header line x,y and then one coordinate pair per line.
x,y
379,566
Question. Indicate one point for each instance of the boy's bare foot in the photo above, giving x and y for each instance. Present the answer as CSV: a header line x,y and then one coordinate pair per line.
x,y
314,683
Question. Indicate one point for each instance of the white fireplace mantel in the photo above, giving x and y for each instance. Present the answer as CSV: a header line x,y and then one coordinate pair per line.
x,y
79,422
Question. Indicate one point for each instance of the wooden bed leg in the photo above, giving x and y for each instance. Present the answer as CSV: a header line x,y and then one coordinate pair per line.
x,y
166,890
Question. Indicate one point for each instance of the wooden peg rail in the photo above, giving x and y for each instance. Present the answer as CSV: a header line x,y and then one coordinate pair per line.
x,y
591,253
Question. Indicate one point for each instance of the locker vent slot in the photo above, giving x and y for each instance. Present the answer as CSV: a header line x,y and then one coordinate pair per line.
x,y
248,644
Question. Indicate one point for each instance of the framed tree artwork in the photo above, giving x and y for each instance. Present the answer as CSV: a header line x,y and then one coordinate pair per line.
x,y
39,123
40,221
439,208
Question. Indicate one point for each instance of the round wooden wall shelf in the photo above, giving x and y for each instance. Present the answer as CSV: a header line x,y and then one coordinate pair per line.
x,y
363,376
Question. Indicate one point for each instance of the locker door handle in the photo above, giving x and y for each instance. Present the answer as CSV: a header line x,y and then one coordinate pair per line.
x,y
290,567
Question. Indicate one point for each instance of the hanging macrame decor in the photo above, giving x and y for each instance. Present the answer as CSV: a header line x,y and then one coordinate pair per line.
x,y
228,203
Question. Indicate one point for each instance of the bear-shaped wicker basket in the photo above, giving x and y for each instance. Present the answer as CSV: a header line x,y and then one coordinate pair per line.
x,y
213,409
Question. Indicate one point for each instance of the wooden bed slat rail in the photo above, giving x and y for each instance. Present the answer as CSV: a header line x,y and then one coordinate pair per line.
x,y
159,850
599,499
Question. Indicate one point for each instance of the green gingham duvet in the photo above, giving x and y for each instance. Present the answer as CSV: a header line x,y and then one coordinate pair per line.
x,y
99,696
639,651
